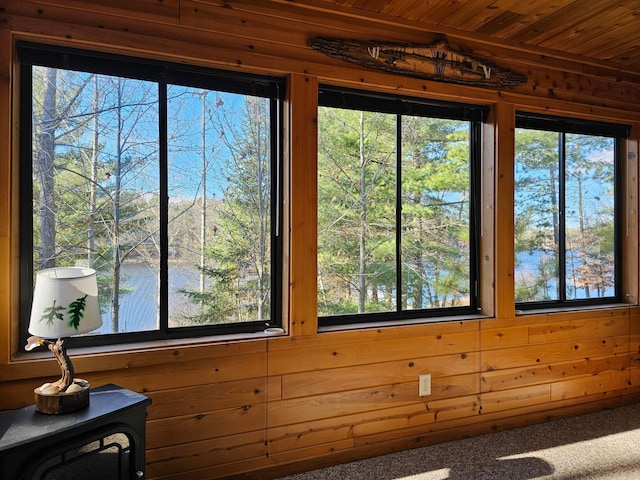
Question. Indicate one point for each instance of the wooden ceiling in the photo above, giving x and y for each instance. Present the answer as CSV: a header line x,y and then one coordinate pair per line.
x,y
599,30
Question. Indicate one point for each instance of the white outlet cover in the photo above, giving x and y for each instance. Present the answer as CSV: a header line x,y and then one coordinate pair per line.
x,y
425,384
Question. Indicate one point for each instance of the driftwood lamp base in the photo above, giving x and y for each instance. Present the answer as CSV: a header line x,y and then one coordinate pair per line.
x,y
53,402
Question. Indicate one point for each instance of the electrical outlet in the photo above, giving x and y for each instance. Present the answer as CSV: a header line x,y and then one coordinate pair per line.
x,y
425,384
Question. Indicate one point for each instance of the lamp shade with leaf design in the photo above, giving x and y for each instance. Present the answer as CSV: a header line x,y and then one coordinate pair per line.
x,y
65,303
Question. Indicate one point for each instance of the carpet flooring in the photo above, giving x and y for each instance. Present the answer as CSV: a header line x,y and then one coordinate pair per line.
x,y
598,446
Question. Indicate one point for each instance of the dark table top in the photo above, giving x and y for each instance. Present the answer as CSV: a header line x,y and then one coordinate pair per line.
x,y
25,425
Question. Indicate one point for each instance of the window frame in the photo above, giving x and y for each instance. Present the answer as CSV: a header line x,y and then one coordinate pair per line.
x,y
162,73
336,97
563,126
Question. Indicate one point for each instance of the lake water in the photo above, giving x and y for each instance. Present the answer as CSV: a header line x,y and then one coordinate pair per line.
x,y
139,307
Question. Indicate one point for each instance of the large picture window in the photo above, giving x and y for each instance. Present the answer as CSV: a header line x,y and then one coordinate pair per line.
x,y
567,211
397,186
163,178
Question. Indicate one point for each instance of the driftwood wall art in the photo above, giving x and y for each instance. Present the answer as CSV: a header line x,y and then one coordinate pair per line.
x,y
436,61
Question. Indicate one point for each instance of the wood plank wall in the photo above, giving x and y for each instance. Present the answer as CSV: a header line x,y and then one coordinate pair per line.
x,y
262,407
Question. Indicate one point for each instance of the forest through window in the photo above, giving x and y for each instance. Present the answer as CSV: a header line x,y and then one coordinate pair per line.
x,y
161,180
396,209
567,204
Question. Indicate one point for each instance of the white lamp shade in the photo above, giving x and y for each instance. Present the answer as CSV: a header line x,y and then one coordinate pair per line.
x,y
65,302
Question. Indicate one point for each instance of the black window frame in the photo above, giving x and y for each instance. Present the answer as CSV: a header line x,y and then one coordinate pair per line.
x,y
336,97
564,126
162,73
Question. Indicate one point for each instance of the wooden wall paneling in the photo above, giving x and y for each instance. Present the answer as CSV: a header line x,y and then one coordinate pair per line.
x,y
497,419
8,303
569,356
604,332
503,400
634,357
554,25
419,417
199,398
504,190
576,329
509,378
493,326
312,453
333,405
372,334
634,351
158,11
186,457
424,420
471,17
634,347
303,246
630,241
319,20
237,470
246,25
395,422
222,365
149,379
555,106
544,84
619,17
388,420
457,408
494,20
525,355
578,88
372,374
43,17
310,413
480,43
493,338
607,16
187,373
623,47
515,18
292,437
233,408
206,425
118,357
260,42
634,341
607,382
19,393
345,429
320,357
487,261
561,409
164,41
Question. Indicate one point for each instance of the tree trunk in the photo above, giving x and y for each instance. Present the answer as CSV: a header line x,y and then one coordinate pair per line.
x,y
362,267
45,159
117,176
262,217
203,208
93,185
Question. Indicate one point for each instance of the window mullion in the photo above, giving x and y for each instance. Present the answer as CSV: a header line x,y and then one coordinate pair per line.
x,y
619,203
275,317
164,206
562,237
26,208
399,225
475,149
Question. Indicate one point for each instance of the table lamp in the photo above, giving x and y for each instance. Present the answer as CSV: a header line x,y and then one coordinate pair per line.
x,y
65,303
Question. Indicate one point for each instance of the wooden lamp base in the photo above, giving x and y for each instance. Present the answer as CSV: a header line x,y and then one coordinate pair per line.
x,y
51,401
